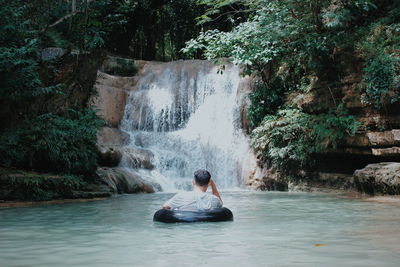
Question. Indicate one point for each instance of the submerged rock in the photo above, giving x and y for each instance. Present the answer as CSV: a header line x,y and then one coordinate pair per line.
x,y
379,178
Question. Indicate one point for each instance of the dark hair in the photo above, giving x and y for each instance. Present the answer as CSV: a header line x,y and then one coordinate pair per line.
x,y
202,177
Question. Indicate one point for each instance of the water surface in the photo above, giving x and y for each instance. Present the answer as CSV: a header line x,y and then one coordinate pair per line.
x,y
270,229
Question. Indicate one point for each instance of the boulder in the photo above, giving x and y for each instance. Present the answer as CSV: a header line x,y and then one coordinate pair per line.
x,y
379,178
121,181
109,155
110,142
267,179
52,53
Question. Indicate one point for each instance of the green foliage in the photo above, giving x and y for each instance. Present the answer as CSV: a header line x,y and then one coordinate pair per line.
x,y
277,30
380,48
265,100
299,34
51,142
34,187
19,46
295,45
290,138
152,29
382,80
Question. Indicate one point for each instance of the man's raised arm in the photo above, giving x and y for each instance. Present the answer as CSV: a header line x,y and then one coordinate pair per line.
x,y
215,190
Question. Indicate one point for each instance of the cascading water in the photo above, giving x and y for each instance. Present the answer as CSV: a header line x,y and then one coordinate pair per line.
x,y
183,116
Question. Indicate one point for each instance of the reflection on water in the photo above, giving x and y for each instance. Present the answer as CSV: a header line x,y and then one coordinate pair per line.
x,y
269,229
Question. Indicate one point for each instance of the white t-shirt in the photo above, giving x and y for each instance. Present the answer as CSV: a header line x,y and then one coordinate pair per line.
x,y
194,201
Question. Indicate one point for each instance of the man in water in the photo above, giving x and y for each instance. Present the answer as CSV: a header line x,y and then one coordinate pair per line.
x,y
198,199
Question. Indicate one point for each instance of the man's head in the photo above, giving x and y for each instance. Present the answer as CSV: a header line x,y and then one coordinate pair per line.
x,y
202,177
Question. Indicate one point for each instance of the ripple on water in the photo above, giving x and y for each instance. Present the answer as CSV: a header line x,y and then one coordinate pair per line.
x,y
269,229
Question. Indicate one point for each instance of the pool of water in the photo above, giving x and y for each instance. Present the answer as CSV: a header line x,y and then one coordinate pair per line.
x,y
269,229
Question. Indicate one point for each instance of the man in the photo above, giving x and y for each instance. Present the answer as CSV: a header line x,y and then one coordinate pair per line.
x,y
198,199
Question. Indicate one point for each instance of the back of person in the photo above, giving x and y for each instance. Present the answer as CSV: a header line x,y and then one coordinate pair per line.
x,y
195,200
198,199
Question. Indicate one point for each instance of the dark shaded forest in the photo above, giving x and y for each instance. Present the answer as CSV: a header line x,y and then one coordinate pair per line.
x,y
50,52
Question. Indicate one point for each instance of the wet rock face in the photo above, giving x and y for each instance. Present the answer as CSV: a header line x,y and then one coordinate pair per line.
x,y
110,100
121,181
138,158
379,178
112,136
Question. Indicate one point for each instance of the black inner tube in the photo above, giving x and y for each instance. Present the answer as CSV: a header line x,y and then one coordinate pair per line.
x,y
173,216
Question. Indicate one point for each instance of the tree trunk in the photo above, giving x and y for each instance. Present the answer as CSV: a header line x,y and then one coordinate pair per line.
x,y
73,10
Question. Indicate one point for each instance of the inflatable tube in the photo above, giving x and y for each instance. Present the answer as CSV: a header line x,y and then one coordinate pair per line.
x,y
174,216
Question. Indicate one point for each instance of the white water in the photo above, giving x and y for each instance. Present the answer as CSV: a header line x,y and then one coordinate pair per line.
x,y
188,115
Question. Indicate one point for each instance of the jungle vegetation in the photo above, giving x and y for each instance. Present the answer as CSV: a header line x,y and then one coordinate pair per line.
x,y
292,47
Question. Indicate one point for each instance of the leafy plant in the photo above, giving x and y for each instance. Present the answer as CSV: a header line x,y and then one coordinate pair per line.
x,y
265,100
51,142
19,48
380,48
381,79
35,187
290,138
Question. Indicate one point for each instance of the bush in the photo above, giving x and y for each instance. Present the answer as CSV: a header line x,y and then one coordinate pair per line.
x,y
380,80
380,49
35,187
290,138
53,143
265,100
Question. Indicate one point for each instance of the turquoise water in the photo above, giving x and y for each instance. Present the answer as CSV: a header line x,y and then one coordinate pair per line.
x,y
270,229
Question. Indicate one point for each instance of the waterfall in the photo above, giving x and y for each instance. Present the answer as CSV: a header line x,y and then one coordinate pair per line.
x,y
182,116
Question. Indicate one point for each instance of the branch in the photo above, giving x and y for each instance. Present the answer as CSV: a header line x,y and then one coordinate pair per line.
x,y
60,20
64,18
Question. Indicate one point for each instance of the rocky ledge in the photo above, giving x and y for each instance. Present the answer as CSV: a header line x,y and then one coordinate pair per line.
x,y
17,185
374,179
367,163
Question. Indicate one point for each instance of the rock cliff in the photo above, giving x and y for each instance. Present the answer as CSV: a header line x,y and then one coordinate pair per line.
x,y
361,163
